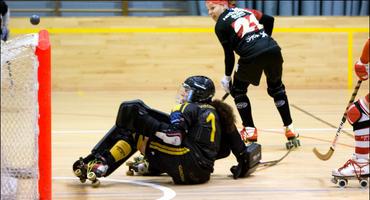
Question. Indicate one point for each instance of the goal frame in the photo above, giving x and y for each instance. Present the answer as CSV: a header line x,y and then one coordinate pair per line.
x,y
43,52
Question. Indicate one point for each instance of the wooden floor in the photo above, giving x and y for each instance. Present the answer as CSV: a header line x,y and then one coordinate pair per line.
x,y
93,72
81,119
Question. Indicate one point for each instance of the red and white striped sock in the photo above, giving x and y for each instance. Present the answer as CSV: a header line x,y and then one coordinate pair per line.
x,y
362,145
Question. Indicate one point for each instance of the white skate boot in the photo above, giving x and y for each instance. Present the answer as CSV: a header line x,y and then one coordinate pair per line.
x,y
140,165
95,170
354,168
249,134
292,137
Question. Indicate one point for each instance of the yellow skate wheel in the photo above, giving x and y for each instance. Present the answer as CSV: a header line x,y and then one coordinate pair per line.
x,y
130,173
78,172
96,183
91,176
129,163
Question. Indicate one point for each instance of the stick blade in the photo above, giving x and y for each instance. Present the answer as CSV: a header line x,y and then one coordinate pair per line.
x,y
325,156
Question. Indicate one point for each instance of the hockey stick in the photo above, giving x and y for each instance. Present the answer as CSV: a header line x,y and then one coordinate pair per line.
x,y
327,155
274,162
225,96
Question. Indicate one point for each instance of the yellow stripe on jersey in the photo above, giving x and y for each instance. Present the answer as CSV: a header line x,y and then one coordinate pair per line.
x,y
176,107
207,106
180,107
181,173
169,150
139,141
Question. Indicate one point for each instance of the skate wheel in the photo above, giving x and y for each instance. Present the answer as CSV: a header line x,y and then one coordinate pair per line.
x,y
91,176
295,144
289,145
363,183
78,172
129,163
82,180
95,183
130,173
342,183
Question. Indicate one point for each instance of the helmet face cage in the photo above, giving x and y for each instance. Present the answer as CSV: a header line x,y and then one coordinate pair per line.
x,y
184,94
197,89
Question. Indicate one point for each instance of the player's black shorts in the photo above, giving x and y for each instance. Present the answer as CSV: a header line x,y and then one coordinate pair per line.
x,y
270,62
178,162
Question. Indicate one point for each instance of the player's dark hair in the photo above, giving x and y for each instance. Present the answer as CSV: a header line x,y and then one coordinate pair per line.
x,y
226,114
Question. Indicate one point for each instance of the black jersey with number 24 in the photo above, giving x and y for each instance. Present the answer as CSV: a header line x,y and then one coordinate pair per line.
x,y
240,30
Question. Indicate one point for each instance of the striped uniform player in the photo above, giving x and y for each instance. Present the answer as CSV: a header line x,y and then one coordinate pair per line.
x,y
358,117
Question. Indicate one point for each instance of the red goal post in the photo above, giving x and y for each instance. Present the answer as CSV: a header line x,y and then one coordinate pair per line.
x,y
26,117
43,52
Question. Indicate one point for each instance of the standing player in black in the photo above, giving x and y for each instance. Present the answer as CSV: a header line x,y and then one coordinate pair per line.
x,y
184,144
248,33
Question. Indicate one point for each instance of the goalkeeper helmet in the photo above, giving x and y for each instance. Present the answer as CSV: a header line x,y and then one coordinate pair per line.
x,y
197,89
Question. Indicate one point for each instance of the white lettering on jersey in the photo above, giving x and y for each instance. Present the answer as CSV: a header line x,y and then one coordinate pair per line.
x,y
254,36
246,24
235,14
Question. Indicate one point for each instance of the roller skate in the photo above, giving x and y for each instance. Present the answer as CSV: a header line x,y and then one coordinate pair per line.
x,y
249,134
292,137
140,165
93,170
353,169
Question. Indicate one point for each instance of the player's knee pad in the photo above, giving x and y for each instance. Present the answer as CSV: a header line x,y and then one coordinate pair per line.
x,y
353,114
275,91
279,95
241,101
120,150
115,156
235,91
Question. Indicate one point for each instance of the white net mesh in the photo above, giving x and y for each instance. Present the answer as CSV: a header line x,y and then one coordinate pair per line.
x,y
19,118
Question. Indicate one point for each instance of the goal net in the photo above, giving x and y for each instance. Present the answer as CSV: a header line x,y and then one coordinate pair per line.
x,y
26,117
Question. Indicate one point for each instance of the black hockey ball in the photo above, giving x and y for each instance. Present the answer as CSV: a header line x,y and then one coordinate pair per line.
x,y
35,19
